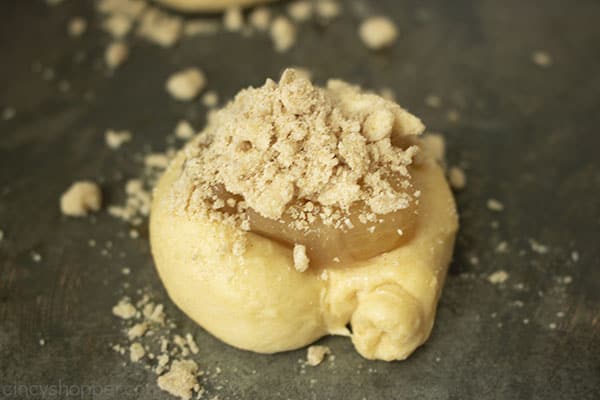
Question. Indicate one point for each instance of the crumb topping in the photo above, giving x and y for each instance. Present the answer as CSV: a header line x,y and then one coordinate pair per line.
x,y
304,151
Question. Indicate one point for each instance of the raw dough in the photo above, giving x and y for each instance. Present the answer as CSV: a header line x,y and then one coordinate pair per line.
x,y
258,300
208,5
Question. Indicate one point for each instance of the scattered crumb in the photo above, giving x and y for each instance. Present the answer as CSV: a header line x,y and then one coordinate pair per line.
x,y
156,160
8,113
499,276
233,20
134,234
137,203
495,205
301,260
538,247
541,59
116,54
124,309
453,115
136,352
184,130
1,235
117,25
77,26
200,27
137,330
154,313
316,354
81,198
457,178
160,28
114,139
36,257
378,32
552,326
574,256
125,271
567,279
328,9
181,379
210,99
54,2
128,8
191,343
433,101
42,342
502,247
300,10
283,34
560,314
48,74
185,85
260,18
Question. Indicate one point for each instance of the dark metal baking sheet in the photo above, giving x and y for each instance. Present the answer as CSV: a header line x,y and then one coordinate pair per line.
x,y
526,135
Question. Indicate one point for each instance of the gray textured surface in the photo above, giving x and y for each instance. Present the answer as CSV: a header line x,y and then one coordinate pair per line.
x,y
528,136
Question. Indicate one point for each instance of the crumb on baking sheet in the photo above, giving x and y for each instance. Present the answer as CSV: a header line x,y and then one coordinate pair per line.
x,y
8,113
541,59
378,32
575,256
181,379
124,309
136,352
283,34
186,84
537,247
328,9
433,101
210,99
260,18
233,19
138,200
452,115
160,27
502,247
316,354
77,26
497,277
300,10
117,25
137,330
457,178
115,139
494,205
184,130
81,198
116,53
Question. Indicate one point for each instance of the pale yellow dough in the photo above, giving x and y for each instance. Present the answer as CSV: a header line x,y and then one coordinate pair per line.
x,y
258,301
208,5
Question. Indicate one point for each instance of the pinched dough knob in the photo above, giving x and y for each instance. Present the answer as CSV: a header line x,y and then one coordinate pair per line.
x,y
387,324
